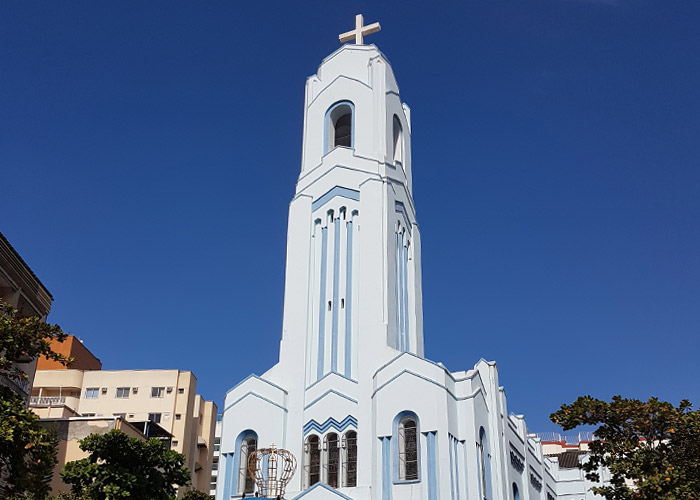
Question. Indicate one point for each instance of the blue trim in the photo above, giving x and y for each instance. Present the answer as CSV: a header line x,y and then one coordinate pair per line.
x,y
325,487
225,478
386,469
395,448
329,391
432,467
406,325
327,125
399,336
312,425
343,192
251,393
322,310
348,301
236,462
252,375
336,286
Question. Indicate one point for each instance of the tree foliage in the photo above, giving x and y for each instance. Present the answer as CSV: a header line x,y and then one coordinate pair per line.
x,y
122,467
652,449
24,339
27,450
196,495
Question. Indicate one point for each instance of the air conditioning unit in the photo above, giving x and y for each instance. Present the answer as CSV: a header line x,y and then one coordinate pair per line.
x,y
169,390
104,390
135,390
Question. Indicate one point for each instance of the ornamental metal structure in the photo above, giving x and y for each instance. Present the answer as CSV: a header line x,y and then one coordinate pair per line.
x,y
271,469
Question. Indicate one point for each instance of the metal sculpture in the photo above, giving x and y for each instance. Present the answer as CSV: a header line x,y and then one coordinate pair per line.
x,y
271,469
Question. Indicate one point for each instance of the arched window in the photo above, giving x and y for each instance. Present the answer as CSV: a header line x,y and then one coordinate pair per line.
x,y
408,449
340,126
312,461
246,484
350,459
398,141
332,465
516,493
485,462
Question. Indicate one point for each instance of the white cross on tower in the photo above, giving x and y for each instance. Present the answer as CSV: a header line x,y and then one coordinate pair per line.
x,y
359,31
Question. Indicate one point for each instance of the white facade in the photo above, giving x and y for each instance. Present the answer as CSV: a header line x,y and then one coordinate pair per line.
x,y
352,396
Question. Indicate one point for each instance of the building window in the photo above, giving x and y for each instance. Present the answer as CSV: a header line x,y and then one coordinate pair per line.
x,y
332,459
246,484
485,462
154,417
174,443
516,493
339,120
88,414
157,392
178,416
350,459
397,141
123,392
408,449
92,392
181,390
312,461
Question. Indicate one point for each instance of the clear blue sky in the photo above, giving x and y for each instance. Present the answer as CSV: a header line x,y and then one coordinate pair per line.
x,y
149,151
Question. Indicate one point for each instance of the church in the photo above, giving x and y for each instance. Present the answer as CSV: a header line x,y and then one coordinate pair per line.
x,y
353,397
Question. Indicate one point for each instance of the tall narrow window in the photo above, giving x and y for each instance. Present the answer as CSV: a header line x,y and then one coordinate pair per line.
x,y
485,461
398,141
340,126
246,484
408,450
516,493
350,459
312,461
332,460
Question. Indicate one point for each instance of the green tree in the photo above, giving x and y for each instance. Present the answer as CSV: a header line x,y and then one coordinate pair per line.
x,y
24,339
27,450
652,449
196,495
122,467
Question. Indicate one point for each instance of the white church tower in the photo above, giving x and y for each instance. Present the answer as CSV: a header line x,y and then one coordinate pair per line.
x,y
352,396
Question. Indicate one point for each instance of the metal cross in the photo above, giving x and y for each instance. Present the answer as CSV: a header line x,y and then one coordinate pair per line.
x,y
360,31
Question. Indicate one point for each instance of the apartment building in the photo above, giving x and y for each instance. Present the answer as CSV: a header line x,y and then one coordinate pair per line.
x,y
166,397
21,288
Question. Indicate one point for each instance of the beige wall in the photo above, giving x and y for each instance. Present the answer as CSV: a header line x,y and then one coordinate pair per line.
x,y
71,430
184,413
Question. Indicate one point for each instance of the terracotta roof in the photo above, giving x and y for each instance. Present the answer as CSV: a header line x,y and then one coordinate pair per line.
x,y
568,459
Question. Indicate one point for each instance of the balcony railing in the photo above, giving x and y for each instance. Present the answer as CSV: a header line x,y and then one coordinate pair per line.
x,y
47,400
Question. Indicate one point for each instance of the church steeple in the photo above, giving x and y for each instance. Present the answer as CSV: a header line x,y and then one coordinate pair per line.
x,y
353,286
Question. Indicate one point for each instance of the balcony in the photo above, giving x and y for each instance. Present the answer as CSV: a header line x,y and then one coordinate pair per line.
x,y
47,400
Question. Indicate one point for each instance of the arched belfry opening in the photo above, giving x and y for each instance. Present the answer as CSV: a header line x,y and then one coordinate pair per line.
x,y
397,141
340,126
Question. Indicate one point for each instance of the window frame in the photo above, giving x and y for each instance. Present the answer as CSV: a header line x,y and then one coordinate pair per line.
x,y
158,391
159,417
92,390
346,458
329,126
124,390
399,420
308,445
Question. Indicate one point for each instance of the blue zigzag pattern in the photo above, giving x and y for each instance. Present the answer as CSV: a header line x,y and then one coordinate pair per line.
x,y
312,425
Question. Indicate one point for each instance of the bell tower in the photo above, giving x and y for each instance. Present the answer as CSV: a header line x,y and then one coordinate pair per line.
x,y
353,277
